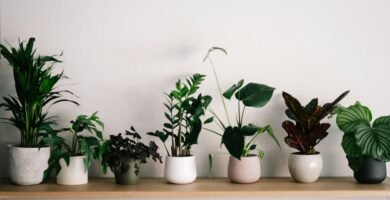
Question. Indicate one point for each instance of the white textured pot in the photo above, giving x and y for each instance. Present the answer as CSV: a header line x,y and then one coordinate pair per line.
x,y
246,170
180,170
74,174
305,168
26,165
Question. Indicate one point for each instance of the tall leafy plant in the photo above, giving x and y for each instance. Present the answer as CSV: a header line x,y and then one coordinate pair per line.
x,y
251,95
363,136
307,131
81,144
184,111
36,90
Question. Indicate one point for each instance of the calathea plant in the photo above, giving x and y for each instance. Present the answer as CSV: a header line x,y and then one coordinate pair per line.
x,y
363,137
119,150
184,112
36,91
81,145
307,131
251,95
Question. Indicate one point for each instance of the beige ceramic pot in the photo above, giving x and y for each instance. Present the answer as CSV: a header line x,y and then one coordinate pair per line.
x,y
246,170
305,168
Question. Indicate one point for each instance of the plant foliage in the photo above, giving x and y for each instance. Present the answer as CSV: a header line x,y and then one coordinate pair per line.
x,y
117,151
362,137
81,145
307,131
36,91
251,95
184,112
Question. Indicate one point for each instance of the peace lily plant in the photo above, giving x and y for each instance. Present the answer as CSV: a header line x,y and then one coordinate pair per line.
x,y
244,166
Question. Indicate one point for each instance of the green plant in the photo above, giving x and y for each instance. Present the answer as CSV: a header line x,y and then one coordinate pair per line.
x,y
251,95
362,137
36,92
117,151
307,131
184,112
81,145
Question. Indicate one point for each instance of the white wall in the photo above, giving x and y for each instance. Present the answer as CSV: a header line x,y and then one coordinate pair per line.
x,y
122,55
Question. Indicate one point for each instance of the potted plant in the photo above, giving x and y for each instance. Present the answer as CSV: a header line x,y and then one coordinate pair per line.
x,y
239,139
365,143
124,155
36,91
71,161
305,166
183,126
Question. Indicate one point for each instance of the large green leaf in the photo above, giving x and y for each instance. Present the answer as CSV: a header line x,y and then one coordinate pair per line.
x,y
255,94
350,147
234,141
230,92
348,119
373,141
385,120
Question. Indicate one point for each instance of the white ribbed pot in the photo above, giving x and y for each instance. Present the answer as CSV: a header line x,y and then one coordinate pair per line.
x,y
180,170
305,168
74,174
246,170
26,165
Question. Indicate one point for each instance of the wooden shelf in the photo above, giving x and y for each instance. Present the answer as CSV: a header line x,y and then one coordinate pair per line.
x,y
276,187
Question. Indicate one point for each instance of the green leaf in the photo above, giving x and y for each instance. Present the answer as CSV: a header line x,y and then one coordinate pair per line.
x,y
230,92
385,120
350,118
249,130
209,120
261,154
214,49
375,141
349,145
234,141
255,94
252,147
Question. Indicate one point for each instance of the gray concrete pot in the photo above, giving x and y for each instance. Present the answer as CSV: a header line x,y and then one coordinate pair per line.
x,y
246,170
305,168
26,165
129,177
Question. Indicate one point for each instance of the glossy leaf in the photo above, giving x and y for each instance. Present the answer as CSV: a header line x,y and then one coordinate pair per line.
x,y
374,141
233,89
234,141
255,94
348,119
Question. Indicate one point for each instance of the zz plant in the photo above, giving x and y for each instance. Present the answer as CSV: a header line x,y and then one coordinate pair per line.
x,y
184,111
363,136
307,131
117,151
251,95
81,145
36,91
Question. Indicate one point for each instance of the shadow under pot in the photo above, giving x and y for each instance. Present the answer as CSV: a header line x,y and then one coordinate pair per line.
x,y
372,171
245,170
180,170
305,168
74,173
128,173
26,165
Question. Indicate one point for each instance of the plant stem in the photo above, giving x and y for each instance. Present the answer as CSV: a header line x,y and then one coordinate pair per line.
x,y
219,88
242,114
213,131
239,115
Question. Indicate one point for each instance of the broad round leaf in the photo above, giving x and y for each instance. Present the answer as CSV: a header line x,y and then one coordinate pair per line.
x,y
348,119
255,94
385,120
234,141
374,142
350,147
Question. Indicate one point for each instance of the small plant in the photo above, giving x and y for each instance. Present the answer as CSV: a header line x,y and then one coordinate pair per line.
x,y
184,112
362,137
119,150
307,131
36,92
88,146
251,95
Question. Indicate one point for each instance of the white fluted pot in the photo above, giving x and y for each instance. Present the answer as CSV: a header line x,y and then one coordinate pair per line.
x,y
27,165
305,168
246,170
74,174
180,170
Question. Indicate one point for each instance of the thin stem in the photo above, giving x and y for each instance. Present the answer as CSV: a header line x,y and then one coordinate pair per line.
x,y
239,115
219,88
221,125
213,131
242,114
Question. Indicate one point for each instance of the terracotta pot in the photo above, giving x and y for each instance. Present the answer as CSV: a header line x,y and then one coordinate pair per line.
x,y
246,170
74,174
180,170
305,168
26,165
129,177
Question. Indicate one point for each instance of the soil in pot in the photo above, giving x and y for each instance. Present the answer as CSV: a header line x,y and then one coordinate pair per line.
x,y
246,170
372,171
128,174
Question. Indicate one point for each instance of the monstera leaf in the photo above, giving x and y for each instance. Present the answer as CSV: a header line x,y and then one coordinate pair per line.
x,y
234,140
255,94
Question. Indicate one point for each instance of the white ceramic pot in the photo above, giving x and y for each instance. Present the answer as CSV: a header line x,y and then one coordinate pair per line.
x,y
246,170
74,174
180,170
305,168
26,165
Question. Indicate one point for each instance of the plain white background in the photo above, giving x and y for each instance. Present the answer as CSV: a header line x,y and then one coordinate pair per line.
x,y
122,55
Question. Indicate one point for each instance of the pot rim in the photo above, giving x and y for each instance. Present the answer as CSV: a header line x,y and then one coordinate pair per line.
x,y
300,154
180,157
19,147
246,157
